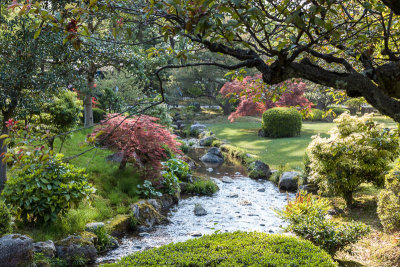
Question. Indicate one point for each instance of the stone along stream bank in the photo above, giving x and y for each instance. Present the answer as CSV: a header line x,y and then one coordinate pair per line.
x,y
241,204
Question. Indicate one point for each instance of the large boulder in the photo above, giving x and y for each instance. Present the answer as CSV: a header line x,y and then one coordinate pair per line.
x,y
289,181
75,248
259,170
196,129
46,248
214,156
146,214
207,141
16,250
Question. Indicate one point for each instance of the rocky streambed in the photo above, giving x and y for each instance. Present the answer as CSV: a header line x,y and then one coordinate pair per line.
x,y
240,204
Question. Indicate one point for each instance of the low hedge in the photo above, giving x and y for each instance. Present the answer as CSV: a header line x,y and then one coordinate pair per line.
x,y
281,122
233,249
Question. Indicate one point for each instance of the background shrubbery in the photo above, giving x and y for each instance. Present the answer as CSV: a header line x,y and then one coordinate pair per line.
x,y
281,122
389,200
5,219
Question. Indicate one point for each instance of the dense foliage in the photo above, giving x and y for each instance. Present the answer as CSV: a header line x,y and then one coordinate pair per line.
x,y
281,122
315,115
233,249
5,219
140,138
98,115
201,186
358,150
389,200
45,187
255,97
306,215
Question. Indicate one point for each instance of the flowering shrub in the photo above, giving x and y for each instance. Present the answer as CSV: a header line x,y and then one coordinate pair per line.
x,y
255,99
306,215
140,139
357,151
389,200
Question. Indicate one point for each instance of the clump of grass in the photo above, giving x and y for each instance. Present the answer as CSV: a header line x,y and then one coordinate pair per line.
x,y
202,186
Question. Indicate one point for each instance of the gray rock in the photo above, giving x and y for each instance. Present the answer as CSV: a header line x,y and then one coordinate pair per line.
x,y
74,247
289,181
195,234
227,180
196,129
16,250
261,190
233,195
46,248
309,188
92,227
213,155
207,141
155,203
199,210
144,234
259,170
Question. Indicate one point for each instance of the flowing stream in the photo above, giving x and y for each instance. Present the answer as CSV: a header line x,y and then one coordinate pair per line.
x,y
240,204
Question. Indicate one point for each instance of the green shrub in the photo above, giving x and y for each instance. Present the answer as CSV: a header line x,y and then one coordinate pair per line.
x,y
170,183
183,147
358,151
337,110
354,104
202,187
178,167
147,190
233,249
307,218
281,122
5,219
42,190
315,115
389,200
98,115
161,111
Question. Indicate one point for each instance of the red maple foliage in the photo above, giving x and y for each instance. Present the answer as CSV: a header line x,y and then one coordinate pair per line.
x,y
140,139
255,97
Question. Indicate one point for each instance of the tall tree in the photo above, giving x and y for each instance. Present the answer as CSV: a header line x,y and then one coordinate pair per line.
x,y
30,66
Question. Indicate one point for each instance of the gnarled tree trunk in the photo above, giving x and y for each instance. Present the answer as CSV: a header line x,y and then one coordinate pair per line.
x,y
87,101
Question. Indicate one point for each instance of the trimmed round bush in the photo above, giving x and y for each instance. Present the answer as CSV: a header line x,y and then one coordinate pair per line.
x,y
5,219
233,249
98,115
281,122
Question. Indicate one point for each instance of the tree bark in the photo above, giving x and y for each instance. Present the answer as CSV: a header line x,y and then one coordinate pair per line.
x,y
348,197
87,101
3,149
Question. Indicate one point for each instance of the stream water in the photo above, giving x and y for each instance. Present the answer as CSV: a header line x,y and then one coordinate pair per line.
x,y
240,204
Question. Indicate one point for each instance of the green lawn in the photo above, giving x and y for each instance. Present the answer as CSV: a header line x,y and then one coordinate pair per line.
x,y
275,152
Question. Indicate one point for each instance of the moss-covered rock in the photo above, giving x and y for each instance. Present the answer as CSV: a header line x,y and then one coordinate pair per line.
x,y
233,249
259,170
76,249
119,225
146,215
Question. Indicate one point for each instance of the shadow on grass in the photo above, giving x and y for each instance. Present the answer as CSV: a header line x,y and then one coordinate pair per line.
x,y
348,263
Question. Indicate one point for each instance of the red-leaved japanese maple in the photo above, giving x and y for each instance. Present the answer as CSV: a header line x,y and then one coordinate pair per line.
x,y
255,98
140,139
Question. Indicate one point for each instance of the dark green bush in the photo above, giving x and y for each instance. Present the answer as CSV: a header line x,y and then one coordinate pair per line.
x,y
307,218
202,187
41,191
5,219
281,122
98,115
233,249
